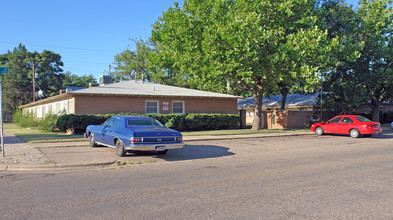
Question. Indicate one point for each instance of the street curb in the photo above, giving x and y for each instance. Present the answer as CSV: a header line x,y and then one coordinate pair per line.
x,y
250,137
11,167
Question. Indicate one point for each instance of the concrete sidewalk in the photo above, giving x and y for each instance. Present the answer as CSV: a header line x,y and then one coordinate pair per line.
x,y
38,156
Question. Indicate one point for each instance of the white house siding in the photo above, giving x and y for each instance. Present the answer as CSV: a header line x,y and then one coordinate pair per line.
x,y
54,107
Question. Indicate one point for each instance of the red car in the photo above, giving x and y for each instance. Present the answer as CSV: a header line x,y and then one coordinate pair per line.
x,y
354,125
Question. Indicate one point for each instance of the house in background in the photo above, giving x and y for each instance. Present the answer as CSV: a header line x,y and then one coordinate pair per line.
x,y
299,109
133,97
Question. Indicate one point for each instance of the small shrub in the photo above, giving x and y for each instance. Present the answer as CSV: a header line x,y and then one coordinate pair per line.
x,y
309,123
25,120
48,123
195,122
174,121
198,122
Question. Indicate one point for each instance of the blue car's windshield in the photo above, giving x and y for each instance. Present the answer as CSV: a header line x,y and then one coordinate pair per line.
x,y
142,122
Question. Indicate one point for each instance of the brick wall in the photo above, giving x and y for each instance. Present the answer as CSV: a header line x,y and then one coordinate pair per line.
x,y
85,104
288,119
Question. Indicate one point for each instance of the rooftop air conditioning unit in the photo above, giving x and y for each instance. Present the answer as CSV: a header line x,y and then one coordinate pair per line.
x,y
105,79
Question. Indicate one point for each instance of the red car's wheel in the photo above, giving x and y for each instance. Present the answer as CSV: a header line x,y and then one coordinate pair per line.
x,y
319,131
354,133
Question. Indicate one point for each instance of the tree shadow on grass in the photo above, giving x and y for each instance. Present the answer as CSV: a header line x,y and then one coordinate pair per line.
x,y
12,140
46,137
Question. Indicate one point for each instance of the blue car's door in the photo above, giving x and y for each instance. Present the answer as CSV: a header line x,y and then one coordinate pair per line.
x,y
97,132
104,131
111,132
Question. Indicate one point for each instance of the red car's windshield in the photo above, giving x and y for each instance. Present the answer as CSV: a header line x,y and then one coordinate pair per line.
x,y
362,119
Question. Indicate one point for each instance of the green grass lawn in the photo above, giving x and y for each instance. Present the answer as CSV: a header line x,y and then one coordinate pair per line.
x,y
238,132
34,135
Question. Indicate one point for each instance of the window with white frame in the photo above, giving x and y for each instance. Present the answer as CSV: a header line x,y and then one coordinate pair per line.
x,y
177,107
43,111
152,107
50,109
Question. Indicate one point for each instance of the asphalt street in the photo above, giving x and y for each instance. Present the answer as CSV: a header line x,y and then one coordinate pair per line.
x,y
298,177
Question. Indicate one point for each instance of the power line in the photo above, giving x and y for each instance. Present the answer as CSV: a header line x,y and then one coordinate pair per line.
x,y
87,62
61,47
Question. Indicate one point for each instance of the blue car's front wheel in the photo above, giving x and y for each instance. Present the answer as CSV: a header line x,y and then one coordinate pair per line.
x,y
92,141
120,150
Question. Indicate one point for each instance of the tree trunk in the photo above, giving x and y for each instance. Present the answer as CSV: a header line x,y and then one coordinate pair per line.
x,y
375,111
258,116
284,93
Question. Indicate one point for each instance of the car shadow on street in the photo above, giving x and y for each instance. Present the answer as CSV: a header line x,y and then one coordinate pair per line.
x,y
190,152
386,134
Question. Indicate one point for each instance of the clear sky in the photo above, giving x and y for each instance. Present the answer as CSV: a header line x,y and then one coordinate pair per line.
x,y
86,33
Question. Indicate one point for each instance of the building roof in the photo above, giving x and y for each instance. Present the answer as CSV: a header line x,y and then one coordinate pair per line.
x,y
293,100
148,89
132,88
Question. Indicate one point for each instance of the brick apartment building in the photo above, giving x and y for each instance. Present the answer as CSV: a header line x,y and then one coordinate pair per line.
x,y
134,97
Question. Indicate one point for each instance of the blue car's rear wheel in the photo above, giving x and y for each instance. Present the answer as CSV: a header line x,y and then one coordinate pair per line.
x,y
120,150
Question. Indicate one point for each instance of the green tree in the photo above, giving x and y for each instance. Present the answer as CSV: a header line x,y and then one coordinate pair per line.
x,y
18,84
48,71
255,44
134,64
374,68
365,77
345,92
78,81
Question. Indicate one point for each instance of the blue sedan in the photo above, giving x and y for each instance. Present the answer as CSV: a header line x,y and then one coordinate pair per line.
x,y
134,133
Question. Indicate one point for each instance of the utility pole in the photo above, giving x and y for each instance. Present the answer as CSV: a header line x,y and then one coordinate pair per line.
x,y
33,83
3,70
321,96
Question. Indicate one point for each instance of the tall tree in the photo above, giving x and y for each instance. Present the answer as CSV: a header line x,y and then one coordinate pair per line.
x,y
134,64
48,71
254,43
345,92
18,84
78,81
374,68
